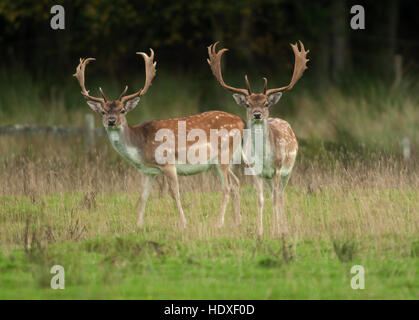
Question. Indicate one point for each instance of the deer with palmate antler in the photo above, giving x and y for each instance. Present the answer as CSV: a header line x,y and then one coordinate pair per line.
x,y
140,144
279,142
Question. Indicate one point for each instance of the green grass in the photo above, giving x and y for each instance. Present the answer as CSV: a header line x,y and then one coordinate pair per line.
x,y
234,273
104,256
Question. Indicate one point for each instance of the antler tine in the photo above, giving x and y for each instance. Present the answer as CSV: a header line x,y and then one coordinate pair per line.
x,y
123,93
102,94
265,86
247,84
79,75
300,64
150,72
214,62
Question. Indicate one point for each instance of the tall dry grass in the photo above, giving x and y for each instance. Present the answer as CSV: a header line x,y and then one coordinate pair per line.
x,y
52,186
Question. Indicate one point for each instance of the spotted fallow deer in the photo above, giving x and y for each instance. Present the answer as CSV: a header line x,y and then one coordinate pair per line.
x,y
139,144
279,142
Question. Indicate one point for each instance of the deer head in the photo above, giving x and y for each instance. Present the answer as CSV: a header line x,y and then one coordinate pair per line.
x,y
114,112
258,104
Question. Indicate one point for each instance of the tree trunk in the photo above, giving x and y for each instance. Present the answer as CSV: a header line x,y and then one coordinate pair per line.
x,y
245,27
391,21
339,37
323,59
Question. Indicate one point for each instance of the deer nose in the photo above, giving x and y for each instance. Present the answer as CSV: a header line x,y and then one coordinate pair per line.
x,y
111,121
257,115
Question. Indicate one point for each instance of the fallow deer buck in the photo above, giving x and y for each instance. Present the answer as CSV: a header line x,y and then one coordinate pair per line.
x,y
139,144
279,142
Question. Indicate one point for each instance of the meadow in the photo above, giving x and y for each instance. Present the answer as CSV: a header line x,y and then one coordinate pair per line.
x,y
352,200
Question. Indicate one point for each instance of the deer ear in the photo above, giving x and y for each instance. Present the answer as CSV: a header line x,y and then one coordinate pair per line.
x,y
240,99
95,106
131,104
274,98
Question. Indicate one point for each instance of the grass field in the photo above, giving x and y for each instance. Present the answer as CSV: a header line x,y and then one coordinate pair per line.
x,y
352,200
85,221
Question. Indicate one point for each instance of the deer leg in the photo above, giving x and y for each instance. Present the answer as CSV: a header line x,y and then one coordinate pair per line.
x,y
258,182
275,203
170,172
146,184
225,185
281,220
235,187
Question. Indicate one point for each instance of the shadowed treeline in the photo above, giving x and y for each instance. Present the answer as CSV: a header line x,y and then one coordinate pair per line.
x,y
258,32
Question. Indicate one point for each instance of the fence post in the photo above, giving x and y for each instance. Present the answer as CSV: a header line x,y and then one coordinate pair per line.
x,y
406,148
90,132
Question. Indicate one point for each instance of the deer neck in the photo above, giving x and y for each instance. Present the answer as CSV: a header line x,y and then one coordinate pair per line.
x,y
261,150
125,142
256,126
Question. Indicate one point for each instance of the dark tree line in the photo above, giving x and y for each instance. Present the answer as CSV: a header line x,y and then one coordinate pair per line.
x,y
257,32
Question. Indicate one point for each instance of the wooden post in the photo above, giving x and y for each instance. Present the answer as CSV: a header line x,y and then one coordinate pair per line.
x,y
90,132
406,149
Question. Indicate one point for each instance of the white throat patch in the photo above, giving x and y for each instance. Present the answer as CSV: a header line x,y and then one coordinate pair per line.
x,y
114,135
131,153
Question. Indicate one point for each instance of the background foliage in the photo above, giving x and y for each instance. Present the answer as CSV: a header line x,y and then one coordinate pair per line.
x,y
258,32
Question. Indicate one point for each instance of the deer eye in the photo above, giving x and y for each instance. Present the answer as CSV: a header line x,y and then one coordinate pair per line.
x,y
266,104
102,112
247,104
123,111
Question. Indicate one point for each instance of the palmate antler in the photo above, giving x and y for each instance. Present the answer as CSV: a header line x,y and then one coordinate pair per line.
x,y
150,70
300,64
80,77
215,63
299,67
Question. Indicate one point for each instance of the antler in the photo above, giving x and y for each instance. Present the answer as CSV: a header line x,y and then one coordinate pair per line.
x,y
150,72
214,62
80,77
299,67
